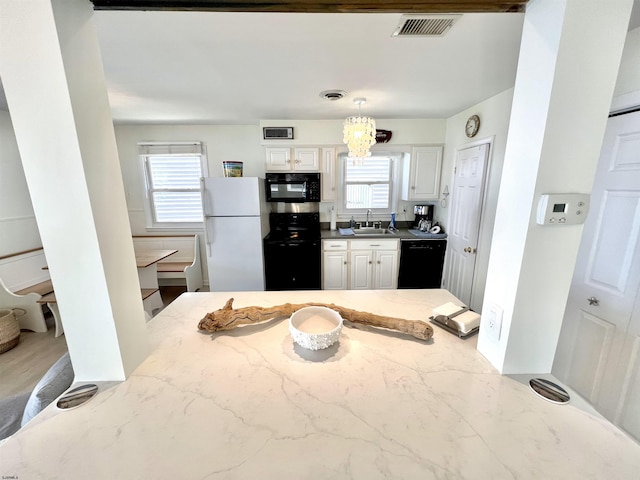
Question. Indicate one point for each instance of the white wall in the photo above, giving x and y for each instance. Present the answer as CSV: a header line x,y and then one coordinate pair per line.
x,y
494,125
244,143
561,99
627,91
223,142
18,228
329,132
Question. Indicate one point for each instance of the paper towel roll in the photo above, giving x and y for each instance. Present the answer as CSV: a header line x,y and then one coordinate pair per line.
x,y
334,219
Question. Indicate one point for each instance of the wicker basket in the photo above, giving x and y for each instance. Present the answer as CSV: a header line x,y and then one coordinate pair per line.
x,y
9,328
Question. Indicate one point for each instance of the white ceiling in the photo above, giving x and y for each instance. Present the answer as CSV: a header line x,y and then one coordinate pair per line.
x,y
238,68
242,67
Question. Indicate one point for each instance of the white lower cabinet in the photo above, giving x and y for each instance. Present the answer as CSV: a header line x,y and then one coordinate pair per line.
x,y
334,264
360,264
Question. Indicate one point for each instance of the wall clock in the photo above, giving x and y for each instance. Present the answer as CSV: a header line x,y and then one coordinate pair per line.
x,y
472,126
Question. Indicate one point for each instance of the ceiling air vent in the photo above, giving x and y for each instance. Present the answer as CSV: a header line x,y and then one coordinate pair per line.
x,y
277,133
333,95
424,25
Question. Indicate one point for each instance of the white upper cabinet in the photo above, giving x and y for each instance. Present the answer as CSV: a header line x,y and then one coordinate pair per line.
x,y
329,192
421,174
303,159
278,158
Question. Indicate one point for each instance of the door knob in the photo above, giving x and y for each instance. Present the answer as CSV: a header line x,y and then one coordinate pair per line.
x,y
593,301
468,249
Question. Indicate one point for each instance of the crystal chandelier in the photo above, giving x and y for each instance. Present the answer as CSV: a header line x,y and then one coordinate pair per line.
x,y
359,135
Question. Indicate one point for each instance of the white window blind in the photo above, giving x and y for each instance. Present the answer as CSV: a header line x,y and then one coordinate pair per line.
x,y
172,177
368,186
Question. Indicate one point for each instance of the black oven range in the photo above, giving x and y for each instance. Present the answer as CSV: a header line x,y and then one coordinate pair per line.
x,y
292,251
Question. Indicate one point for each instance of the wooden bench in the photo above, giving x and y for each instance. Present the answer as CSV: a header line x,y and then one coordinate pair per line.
x,y
185,264
23,281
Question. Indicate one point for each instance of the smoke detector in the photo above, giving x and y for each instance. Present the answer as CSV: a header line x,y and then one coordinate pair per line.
x,y
424,25
333,95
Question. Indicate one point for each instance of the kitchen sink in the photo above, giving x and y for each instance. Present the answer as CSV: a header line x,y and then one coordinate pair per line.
x,y
369,231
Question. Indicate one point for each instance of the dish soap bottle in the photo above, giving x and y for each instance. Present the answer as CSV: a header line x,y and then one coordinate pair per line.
x,y
392,225
352,222
333,219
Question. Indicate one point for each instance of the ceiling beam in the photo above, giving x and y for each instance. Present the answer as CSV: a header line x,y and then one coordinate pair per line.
x,y
318,6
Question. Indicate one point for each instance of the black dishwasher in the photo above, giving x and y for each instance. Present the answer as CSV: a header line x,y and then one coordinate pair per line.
x,y
421,263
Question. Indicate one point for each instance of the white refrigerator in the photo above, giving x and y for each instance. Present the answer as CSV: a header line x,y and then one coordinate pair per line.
x,y
236,220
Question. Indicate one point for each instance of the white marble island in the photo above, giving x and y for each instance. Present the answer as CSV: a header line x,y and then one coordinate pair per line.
x,y
247,404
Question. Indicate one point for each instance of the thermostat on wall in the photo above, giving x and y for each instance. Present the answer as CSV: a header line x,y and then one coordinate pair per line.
x,y
562,208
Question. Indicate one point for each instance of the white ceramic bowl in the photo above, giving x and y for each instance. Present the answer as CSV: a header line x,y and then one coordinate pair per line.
x,y
315,328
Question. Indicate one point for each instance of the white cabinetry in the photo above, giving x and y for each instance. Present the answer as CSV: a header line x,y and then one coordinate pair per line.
x,y
329,192
373,264
334,264
360,264
289,159
421,174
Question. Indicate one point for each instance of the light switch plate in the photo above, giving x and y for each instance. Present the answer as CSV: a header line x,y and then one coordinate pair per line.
x,y
492,319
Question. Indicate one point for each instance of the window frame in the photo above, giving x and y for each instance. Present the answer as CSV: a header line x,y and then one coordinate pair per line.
x,y
168,149
343,212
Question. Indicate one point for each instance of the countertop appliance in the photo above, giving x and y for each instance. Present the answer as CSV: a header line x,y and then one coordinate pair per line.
x,y
292,187
292,251
424,217
235,222
421,263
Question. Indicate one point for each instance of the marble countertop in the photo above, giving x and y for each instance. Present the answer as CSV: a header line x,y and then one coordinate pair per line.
x,y
248,404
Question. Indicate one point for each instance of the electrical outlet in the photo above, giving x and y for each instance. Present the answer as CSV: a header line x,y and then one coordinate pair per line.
x,y
492,320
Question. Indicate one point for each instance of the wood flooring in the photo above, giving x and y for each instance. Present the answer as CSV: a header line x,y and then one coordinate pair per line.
x,y
23,366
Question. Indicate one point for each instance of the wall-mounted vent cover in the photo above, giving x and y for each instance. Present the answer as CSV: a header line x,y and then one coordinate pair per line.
x,y
277,133
424,25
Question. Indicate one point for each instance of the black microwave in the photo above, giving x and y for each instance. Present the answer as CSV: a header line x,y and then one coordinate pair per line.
x,y
292,187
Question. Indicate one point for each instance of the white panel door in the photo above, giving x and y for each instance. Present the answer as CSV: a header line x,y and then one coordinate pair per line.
x,y
306,158
328,182
361,270
598,348
386,270
334,270
278,159
426,163
466,206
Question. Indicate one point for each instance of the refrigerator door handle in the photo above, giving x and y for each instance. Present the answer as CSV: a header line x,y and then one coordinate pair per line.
x,y
208,235
204,197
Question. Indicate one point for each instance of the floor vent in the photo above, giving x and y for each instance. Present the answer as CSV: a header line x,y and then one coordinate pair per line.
x,y
424,25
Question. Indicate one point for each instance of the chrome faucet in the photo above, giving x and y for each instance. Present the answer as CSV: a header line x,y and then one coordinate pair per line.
x,y
368,213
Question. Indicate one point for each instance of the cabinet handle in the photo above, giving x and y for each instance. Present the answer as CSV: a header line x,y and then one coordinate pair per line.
x,y
370,262
593,301
374,244
345,262
378,262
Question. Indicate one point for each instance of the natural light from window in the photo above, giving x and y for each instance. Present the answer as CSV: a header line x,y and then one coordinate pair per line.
x,y
172,181
368,186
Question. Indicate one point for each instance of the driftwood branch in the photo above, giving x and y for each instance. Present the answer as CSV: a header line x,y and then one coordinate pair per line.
x,y
228,318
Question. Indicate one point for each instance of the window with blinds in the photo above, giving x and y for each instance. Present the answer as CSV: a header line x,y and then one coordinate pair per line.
x,y
367,186
172,180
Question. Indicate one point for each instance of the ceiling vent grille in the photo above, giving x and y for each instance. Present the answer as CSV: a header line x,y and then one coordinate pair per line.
x,y
424,25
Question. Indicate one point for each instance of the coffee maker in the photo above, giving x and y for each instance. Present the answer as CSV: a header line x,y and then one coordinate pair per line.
x,y
424,217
